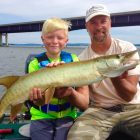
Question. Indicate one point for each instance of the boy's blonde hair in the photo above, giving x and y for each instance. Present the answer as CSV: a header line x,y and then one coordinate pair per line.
x,y
53,24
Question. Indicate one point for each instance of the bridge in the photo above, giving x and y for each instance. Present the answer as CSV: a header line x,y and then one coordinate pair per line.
x,y
131,18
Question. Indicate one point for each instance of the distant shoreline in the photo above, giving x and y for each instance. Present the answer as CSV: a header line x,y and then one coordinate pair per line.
x,y
41,45
71,47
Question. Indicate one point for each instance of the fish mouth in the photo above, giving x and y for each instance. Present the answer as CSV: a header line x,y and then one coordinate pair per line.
x,y
129,54
127,57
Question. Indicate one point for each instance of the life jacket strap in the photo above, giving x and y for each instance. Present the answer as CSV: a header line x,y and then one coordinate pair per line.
x,y
51,107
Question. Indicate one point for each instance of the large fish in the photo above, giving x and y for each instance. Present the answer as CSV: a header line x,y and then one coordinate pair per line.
x,y
70,74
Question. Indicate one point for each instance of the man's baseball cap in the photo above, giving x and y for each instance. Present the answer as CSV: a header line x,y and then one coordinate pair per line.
x,y
96,10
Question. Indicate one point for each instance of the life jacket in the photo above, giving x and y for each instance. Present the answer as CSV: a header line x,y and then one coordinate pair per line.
x,y
57,108
43,59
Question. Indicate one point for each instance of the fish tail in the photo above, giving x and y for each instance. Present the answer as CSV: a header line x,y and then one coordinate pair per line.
x,y
1,110
8,80
3,107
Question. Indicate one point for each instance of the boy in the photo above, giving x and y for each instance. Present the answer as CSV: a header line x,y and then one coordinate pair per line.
x,y
52,121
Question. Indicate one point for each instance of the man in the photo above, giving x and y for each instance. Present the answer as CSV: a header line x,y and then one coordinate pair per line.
x,y
115,102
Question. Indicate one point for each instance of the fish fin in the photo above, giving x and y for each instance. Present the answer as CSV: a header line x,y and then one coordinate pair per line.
x,y
15,110
40,102
49,94
114,73
8,80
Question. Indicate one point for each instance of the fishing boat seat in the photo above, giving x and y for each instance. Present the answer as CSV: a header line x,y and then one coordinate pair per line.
x,y
28,60
28,103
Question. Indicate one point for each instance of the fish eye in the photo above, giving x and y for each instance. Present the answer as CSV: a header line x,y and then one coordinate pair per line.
x,y
118,56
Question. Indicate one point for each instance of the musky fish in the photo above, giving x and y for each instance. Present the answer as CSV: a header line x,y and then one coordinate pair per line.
x,y
70,74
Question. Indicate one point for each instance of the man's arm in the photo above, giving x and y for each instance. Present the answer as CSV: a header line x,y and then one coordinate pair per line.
x,y
78,97
126,86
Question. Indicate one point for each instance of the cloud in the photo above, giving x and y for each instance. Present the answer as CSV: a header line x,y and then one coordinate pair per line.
x,y
42,9
13,11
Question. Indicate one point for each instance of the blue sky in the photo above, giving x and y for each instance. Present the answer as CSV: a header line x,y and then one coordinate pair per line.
x,y
14,11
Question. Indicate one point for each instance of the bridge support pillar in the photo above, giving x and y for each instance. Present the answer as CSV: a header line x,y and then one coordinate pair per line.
x,y
6,40
0,39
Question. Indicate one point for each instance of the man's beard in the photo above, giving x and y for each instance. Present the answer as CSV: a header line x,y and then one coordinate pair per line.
x,y
101,38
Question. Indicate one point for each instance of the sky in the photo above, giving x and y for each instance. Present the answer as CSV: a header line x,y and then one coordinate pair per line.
x,y
15,11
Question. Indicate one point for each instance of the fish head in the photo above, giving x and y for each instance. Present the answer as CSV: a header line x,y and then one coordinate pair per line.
x,y
114,60
121,59
116,64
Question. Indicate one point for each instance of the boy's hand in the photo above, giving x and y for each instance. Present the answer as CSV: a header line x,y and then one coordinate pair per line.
x,y
36,96
54,64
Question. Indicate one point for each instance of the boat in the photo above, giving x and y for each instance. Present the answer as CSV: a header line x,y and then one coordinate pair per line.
x,y
14,130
